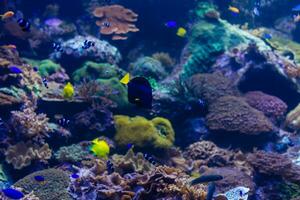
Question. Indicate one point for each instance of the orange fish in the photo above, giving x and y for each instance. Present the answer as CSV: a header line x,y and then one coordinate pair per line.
x,y
10,46
7,15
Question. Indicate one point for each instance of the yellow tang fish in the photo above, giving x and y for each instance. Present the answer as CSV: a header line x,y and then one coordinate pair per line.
x,y
68,91
125,80
234,9
181,32
7,15
100,148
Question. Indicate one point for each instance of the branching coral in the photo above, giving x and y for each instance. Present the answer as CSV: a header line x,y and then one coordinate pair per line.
x,y
233,114
271,106
120,21
141,132
54,186
21,154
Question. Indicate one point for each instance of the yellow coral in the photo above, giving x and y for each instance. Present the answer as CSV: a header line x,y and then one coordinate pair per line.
x,y
141,132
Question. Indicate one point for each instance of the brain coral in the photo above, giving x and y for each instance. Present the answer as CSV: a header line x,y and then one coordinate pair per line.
x,y
54,187
271,106
21,154
210,86
141,132
233,114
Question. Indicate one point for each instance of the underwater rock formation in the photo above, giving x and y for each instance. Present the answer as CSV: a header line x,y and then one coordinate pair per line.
x,y
101,52
54,187
233,114
141,132
271,106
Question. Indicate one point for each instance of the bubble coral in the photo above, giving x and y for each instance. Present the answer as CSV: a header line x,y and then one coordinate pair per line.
x,y
21,154
54,187
119,18
271,106
233,114
141,132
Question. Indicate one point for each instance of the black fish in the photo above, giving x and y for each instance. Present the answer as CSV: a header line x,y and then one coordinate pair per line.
x,y
57,47
110,167
210,191
24,24
106,24
140,92
206,178
45,82
87,44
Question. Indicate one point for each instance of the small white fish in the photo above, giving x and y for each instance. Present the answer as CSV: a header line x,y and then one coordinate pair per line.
x,y
256,11
238,193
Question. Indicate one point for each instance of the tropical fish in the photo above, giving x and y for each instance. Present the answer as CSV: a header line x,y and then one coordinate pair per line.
x,y
238,193
106,24
13,193
296,8
39,178
15,70
171,24
45,82
35,68
234,9
206,178
296,18
210,191
10,46
7,15
140,92
64,122
57,47
87,44
75,176
24,24
68,91
150,159
256,11
125,80
181,32
110,167
100,148
267,36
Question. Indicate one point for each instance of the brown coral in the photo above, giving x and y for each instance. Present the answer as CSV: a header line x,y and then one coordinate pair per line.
x,y
271,106
233,114
21,154
210,87
275,164
120,21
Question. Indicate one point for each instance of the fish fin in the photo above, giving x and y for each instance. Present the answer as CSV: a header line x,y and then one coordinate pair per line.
x,y
125,79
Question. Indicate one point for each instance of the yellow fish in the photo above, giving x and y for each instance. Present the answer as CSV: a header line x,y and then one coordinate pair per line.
x,y
7,15
181,32
234,9
100,148
125,80
68,91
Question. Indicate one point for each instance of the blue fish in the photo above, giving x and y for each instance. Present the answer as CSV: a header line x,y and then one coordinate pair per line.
x,y
296,8
24,24
171,24
75,176
12,193
140,92
15,70
39,178
267,36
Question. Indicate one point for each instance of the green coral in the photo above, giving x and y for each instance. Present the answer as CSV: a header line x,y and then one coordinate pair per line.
x,y
210,38
139,131
91,71
45,67
53,188
74,153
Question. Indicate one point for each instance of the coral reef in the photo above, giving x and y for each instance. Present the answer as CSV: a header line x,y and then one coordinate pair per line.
x,y
165,59
274,164
141,132
22,154
45,67
54,187
233,114
292,118
101,52
271,106
121,21
74,153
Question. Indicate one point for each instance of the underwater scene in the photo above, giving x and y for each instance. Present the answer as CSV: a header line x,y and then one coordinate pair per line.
x,y
149,99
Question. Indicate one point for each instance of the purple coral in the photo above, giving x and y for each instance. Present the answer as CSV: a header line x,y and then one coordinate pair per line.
x,y
271,106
